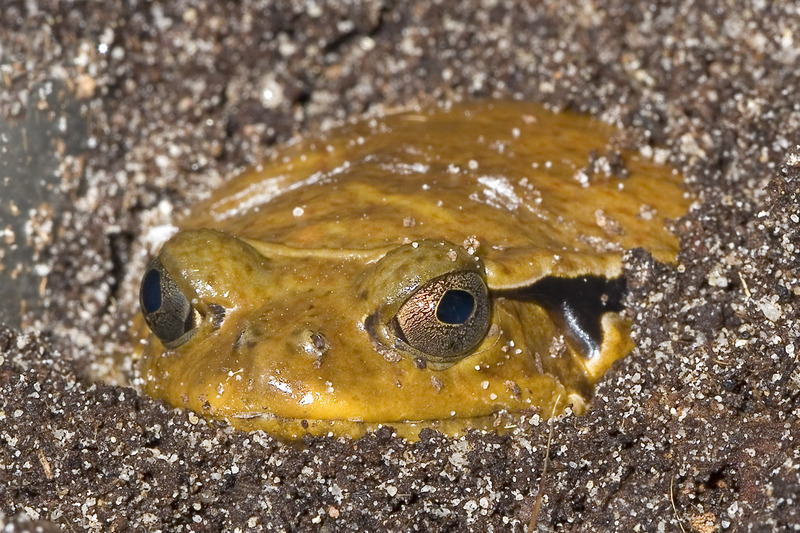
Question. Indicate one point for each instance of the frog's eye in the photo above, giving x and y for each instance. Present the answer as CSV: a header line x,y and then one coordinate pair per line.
x,y
167,311
445,318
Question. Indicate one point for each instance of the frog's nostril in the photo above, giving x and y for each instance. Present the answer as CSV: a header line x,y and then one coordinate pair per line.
x,y
314,343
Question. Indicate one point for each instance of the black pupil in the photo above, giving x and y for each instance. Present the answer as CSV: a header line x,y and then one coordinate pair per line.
x,y
151,291
455,307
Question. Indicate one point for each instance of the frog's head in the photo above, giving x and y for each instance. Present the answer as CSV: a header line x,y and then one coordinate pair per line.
x,y
280,338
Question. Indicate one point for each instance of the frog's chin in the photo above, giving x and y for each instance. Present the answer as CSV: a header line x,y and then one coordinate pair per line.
x,y
500,422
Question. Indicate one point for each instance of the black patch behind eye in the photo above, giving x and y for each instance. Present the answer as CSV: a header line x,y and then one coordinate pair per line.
x,y
151,291
455,307
577,304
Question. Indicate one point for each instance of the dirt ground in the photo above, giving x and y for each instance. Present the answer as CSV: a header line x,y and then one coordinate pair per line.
x,y
116,116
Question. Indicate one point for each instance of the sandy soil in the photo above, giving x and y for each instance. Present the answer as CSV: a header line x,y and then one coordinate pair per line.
x,y
117,116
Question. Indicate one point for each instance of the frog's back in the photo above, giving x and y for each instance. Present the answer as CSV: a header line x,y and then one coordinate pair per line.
x,y
511,176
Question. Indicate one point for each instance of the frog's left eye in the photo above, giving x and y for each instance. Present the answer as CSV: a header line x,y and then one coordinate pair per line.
x,y
167,311
446,318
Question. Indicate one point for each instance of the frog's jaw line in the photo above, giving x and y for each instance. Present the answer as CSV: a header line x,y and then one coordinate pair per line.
x,y
500,421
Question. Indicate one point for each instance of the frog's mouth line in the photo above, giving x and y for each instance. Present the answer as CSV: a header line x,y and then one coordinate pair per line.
x,y
499,421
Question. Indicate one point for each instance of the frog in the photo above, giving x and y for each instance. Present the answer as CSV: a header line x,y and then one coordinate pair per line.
x,y
456,267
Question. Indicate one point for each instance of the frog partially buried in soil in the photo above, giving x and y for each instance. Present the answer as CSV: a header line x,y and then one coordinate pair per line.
x,y
446,268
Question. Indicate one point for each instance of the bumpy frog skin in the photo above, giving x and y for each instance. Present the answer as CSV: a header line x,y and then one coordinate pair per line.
x,y
448,268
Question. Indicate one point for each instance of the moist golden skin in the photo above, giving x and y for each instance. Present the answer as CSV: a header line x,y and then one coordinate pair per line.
x,y
299,271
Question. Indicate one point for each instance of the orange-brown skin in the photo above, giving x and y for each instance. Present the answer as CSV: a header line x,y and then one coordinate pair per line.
x,y
302,255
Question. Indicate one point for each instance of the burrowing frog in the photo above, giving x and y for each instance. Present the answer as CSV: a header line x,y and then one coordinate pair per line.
x,y
451,268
